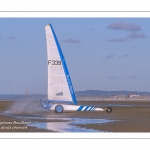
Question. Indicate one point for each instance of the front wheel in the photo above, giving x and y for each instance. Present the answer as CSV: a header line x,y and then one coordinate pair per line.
x,y
59,108
109,109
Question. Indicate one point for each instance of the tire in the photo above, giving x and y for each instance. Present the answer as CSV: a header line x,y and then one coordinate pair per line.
x,y
109,109
59,109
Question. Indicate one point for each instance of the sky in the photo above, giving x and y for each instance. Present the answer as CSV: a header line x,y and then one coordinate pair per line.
x,y
101,53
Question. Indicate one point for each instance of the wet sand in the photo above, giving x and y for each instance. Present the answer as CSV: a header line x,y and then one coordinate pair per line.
x,y
127,116
132,117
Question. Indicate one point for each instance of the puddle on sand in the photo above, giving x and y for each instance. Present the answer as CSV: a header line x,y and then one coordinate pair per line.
x,y
71,125
61,124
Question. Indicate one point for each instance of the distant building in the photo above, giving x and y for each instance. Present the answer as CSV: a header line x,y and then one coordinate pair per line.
x,y
133,95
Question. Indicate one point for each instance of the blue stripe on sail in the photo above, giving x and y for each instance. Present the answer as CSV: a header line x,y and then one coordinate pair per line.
x,y
86,108
65,68
80,108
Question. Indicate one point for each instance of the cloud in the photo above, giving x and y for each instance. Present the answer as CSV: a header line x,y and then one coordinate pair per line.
x,y
91,29
121,68
137,35
132,35
126,55
118,40
11,38
115,77
133,47
109,56
133,77
8,81
121,77
124,26
71,41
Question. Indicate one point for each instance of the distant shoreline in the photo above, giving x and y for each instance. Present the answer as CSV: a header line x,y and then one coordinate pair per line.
x,y
80,100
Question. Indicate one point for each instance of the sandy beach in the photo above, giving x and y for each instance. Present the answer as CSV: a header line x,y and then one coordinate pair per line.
x,y
127,116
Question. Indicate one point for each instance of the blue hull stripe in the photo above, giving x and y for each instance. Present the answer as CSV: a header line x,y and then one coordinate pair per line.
x,y
93,108
86,108
80,108
90,109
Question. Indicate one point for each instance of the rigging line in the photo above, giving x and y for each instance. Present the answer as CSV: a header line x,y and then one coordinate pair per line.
x,y
79,77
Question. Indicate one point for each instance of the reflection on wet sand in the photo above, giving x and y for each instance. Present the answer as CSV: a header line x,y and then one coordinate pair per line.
x,y
71,125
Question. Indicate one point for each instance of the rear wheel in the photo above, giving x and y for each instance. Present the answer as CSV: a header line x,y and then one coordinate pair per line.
x,y
59,108
109,109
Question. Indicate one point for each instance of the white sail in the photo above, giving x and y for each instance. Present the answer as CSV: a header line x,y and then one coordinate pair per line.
x,y
57,84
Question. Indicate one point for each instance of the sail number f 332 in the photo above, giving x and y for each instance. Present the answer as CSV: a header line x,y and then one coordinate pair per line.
x,y
54,62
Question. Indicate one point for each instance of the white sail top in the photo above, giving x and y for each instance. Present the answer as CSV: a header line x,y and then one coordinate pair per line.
x,y
57,84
